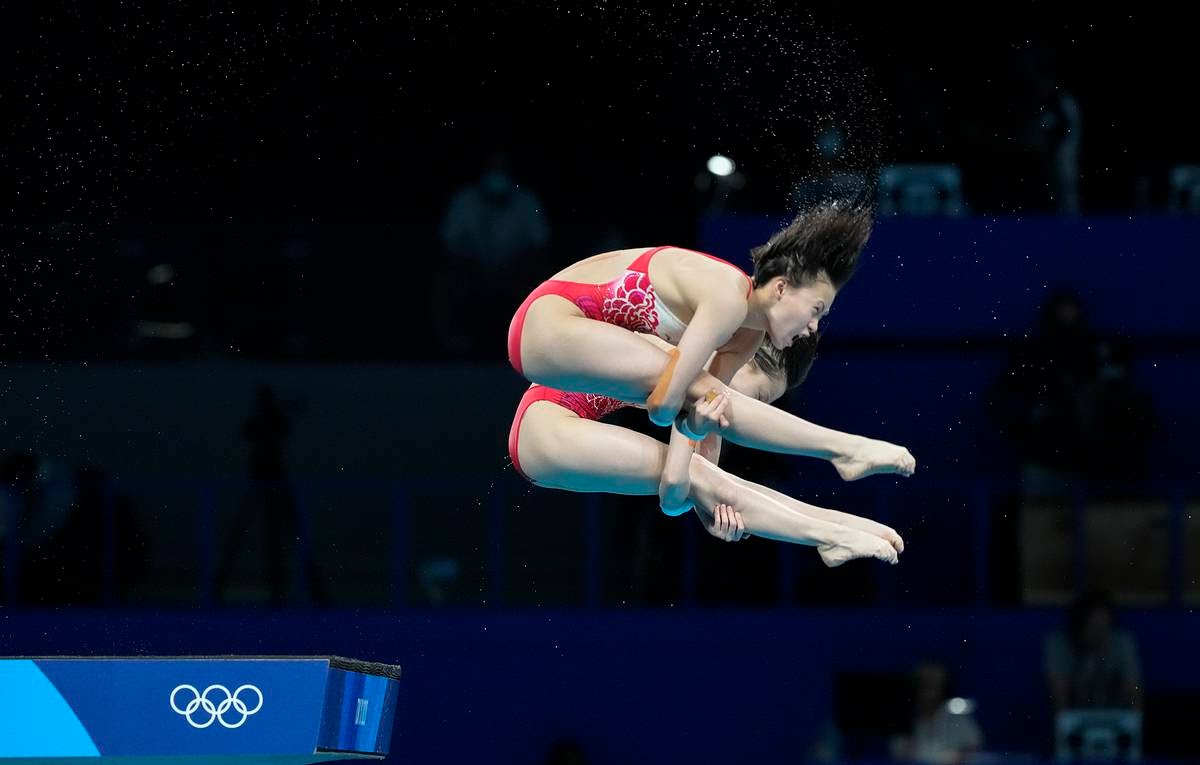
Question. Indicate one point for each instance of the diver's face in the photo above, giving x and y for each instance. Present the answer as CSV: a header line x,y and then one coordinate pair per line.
x,y
752,381
796,312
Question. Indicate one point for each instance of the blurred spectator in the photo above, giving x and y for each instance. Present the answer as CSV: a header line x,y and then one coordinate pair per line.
x,y
1049,134
1069,404
1092,664
943,730
1117,420
491,229
1035,400
268,497
1022,149
69,567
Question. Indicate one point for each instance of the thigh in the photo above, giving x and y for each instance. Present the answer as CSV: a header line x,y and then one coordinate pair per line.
x,y
562,348
561,451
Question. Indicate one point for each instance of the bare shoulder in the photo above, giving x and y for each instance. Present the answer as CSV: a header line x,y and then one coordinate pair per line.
x,y
699,262
700,274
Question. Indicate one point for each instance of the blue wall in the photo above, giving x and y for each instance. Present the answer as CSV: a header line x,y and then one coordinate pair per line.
x,y
985,277
943,300
665,686
937,298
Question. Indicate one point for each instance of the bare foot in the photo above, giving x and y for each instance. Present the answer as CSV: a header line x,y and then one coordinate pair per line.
x,y
886,533
858,544
871,457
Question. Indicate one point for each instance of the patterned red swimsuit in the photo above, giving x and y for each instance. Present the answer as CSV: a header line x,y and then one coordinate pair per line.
x,y
589,406
628,301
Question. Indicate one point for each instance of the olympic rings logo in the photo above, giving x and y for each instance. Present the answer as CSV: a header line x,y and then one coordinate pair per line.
x,y
216,712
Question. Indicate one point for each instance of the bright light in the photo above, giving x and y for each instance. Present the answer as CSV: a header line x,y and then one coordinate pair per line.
x,y
721,165
958,706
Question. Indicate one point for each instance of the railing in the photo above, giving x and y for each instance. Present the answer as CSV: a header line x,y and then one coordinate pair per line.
x,y
494,502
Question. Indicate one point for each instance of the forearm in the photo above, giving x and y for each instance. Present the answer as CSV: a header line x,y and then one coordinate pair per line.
x,y
674,486
710,448
714,322
686,365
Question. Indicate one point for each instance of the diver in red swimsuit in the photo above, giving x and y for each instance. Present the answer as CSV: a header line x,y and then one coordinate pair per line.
x,y
558,441
578,332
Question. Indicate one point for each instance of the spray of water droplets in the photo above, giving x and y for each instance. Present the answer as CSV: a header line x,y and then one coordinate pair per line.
x,y
775,85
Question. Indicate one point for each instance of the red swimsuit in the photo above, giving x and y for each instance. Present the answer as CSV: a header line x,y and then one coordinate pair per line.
x,y
628,301
589,406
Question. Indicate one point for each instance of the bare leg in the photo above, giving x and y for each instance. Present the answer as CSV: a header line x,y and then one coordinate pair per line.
x,y
561,451
563,349
886,533
761,426
792,522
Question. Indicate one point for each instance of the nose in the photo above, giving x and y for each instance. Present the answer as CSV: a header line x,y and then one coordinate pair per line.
x,y
812,326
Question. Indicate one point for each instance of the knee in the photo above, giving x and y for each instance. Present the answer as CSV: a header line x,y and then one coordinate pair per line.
x,y
539,454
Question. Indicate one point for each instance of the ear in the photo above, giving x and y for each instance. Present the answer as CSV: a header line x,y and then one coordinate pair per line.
x,y
780,286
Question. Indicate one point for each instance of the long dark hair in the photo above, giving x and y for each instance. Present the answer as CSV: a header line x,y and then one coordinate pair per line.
x,y
827,237
792,362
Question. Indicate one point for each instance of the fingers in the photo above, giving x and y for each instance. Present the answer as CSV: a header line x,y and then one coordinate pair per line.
x,y
719,407
722,513
720,404
712,403
728,524
706,414
714,523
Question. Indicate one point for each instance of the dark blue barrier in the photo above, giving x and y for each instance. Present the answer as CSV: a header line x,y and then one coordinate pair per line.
x,y
917,339
954,278
951,517
676,685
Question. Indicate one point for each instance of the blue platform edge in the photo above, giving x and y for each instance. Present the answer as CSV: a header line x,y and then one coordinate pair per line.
x,y
115,707
359,712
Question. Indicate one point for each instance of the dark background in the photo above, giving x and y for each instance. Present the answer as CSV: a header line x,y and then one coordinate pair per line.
x,y
302,111
290,164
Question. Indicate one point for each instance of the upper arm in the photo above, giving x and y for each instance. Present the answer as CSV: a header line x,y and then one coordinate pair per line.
x,y
720,311
718,315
